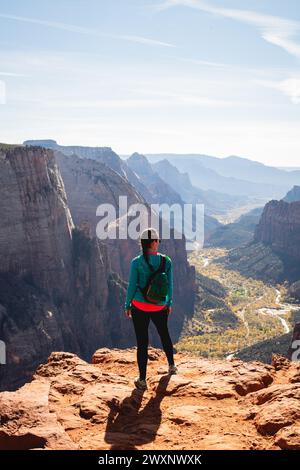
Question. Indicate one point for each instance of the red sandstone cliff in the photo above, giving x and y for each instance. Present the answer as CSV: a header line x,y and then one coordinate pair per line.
x,y
279,227
71,404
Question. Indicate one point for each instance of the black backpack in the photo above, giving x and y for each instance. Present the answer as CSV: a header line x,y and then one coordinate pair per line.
x,y
156,289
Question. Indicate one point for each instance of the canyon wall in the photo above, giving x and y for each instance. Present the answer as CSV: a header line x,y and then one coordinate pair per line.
x,y
57,287
60,286
279,227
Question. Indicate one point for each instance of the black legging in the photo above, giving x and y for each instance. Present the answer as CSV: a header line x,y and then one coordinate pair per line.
x,y
141,322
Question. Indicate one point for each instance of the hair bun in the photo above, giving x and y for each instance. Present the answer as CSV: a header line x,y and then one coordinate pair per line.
x,y
150,233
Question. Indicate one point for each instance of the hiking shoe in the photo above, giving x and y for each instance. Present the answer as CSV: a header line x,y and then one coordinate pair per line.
x,y
173,369
140,384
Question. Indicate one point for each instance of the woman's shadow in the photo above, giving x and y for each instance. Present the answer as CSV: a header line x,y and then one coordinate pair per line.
x,y
128,427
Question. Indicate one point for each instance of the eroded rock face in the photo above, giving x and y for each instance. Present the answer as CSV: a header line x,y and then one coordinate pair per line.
x,y
88,184
279,227
36,261
208,405
276,407
289,438
27,423
274,253
274,257
57,288
103,155
36,225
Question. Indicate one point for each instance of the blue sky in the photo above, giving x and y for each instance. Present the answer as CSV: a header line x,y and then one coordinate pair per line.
x,y
220,77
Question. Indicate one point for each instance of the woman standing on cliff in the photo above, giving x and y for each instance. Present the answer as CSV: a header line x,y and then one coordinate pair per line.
x,y
149,297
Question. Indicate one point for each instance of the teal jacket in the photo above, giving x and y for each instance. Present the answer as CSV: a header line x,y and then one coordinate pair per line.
x,y
139,274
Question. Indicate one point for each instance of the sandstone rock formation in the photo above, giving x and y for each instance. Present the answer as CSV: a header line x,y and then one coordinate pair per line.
x,y
103,155
89,183
71,404
56,284
279,228
273,255
36,255
36,225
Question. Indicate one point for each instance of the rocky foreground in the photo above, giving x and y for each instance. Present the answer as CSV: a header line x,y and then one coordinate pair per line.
x,y
71,404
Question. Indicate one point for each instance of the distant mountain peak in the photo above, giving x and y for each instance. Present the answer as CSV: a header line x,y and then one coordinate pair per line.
x,y
140,164
139,157
293,195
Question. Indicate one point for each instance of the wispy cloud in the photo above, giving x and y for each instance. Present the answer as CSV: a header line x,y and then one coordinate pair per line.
x,y
273,29
13,74
289,87
233,67
161,100
2,93
205,63
87,31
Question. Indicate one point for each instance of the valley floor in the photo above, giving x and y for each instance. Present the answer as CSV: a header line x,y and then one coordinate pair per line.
x,y
232,215
232,311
